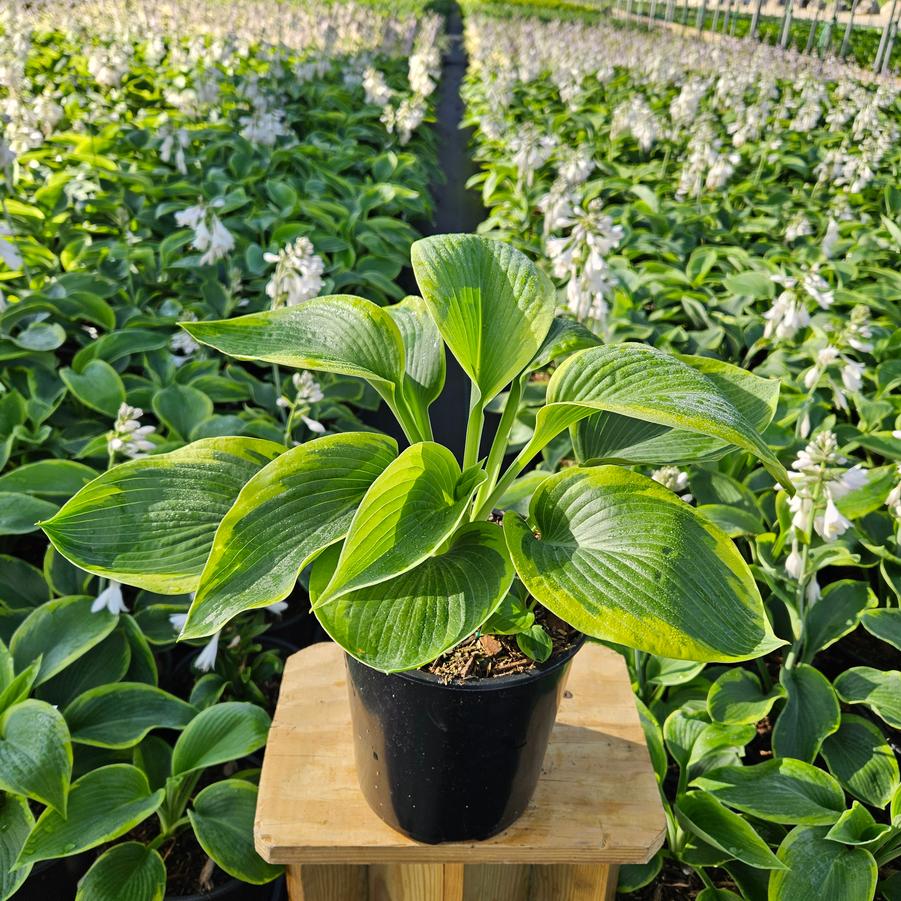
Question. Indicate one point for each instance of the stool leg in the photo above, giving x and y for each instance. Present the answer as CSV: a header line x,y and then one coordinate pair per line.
x,y
326,882
573,882
415,882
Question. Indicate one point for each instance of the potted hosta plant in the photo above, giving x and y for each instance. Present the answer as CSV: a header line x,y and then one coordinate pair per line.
x,y
408,555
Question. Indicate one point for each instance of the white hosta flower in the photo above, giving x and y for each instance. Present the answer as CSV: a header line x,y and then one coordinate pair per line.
x,y
794,562
530,150
110,599
178,620
818,288
206,659
264,127
278,608
852,375
298,274
376,88
173,146
852,479
798,228
786,317
211,237
221,242
675,479
308,389
831,524
830,239
812,593
893,500
129,437
826,356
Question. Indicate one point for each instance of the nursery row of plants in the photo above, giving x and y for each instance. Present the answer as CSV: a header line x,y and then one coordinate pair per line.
x,y
163,163
728,201
822,34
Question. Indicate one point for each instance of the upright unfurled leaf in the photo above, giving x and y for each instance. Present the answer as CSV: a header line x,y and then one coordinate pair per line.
x,y
410,620
423,355
127,872
811,713
35,753
862,760
407,513
58,633
778,791
103,804
120,714
16,822
150,522
222,816
701,814
298,504
880,690
492,305
621,558
641,383
219,734
818,868
337,333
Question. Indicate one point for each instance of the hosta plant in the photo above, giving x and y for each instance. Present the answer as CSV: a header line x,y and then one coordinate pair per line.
x,y
406,560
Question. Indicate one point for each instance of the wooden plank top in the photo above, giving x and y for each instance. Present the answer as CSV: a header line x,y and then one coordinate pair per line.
x,y
596,802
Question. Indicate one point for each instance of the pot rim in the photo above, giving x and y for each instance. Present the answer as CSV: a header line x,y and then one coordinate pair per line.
x,y
489,683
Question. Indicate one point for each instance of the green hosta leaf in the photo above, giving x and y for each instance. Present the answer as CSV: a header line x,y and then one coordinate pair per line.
x,y
22,586
16,822
338,333
423,355
633,876
715,738
35,753
701,814
150,522
880,690
654,739
301,502
732,520
671,671
680,732
492,305
222,816
885,624
121,714
819,869
857,827
107,662
127,872
103,804
181,408
19,687
839,614
778,791
736,697
21,513
718,894
565,337
512,614
59,632
47,478
535,643
411,619
860,758
97,386
664,409
219,734
811,713
404,517
621,558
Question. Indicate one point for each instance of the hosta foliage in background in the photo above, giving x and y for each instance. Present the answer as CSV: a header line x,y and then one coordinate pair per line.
x,y
718,200
160,164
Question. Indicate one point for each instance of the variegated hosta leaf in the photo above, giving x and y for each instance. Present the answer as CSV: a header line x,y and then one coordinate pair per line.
x,y
409,511
621,558
642,383
413,618
336,333
423,354
301,502
150,522
609,437
492,305
565,337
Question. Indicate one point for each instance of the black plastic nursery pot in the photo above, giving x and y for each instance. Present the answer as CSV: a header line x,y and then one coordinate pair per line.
x,y
452,762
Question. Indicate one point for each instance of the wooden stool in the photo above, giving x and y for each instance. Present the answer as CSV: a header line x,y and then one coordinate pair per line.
x,y
596,806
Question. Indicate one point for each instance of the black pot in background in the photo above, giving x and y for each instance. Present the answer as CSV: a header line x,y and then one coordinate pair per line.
x,y
456,762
